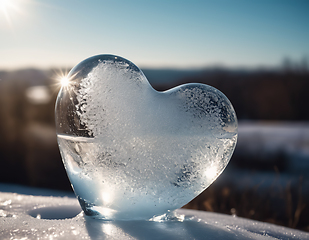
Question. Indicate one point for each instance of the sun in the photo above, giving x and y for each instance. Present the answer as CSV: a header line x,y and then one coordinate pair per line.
x,y
10,7
62,78
64,81
4,4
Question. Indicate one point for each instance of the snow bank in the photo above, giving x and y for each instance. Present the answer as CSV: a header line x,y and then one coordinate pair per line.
x,y
262,144
42,217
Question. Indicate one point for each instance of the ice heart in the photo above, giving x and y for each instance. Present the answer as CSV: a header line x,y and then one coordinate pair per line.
x,y
132,152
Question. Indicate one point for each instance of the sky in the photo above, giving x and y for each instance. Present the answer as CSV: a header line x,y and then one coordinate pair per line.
x,y
155,34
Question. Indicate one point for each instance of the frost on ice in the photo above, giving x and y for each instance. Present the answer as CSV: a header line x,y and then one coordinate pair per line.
x,y
132,152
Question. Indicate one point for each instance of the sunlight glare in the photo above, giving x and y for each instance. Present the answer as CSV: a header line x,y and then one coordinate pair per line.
x,y
107,197
5,4
10,8
64,81
211,172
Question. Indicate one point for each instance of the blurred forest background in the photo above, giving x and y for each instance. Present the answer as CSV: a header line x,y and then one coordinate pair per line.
x,y
267,178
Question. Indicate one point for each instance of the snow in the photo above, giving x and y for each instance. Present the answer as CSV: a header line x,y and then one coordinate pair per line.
x,y
261,147
49,217
266,142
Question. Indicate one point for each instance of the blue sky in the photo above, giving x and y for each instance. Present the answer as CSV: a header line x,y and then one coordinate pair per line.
x,y
61,33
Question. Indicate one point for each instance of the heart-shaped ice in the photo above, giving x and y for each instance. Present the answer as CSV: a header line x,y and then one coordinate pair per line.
x,y
132,152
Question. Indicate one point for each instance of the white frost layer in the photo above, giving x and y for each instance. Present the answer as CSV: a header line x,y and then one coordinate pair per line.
x,y
38,217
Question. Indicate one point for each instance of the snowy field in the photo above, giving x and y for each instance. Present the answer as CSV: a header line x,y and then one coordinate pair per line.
x,y
25,216
268,142
272,154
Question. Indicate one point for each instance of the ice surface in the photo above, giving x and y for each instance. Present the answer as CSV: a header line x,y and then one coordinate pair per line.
x,y
132,152
37,217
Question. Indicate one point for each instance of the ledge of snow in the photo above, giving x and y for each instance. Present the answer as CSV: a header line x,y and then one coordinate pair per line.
x,y
43,217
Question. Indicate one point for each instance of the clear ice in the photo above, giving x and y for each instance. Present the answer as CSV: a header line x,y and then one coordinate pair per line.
x,y
132,152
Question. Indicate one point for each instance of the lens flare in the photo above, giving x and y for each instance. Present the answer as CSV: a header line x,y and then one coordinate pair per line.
x,y
9,8
61,78
5,4
64,81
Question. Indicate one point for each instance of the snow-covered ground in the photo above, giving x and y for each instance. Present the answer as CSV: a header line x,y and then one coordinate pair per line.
x,y
24,216
271,154
267,143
